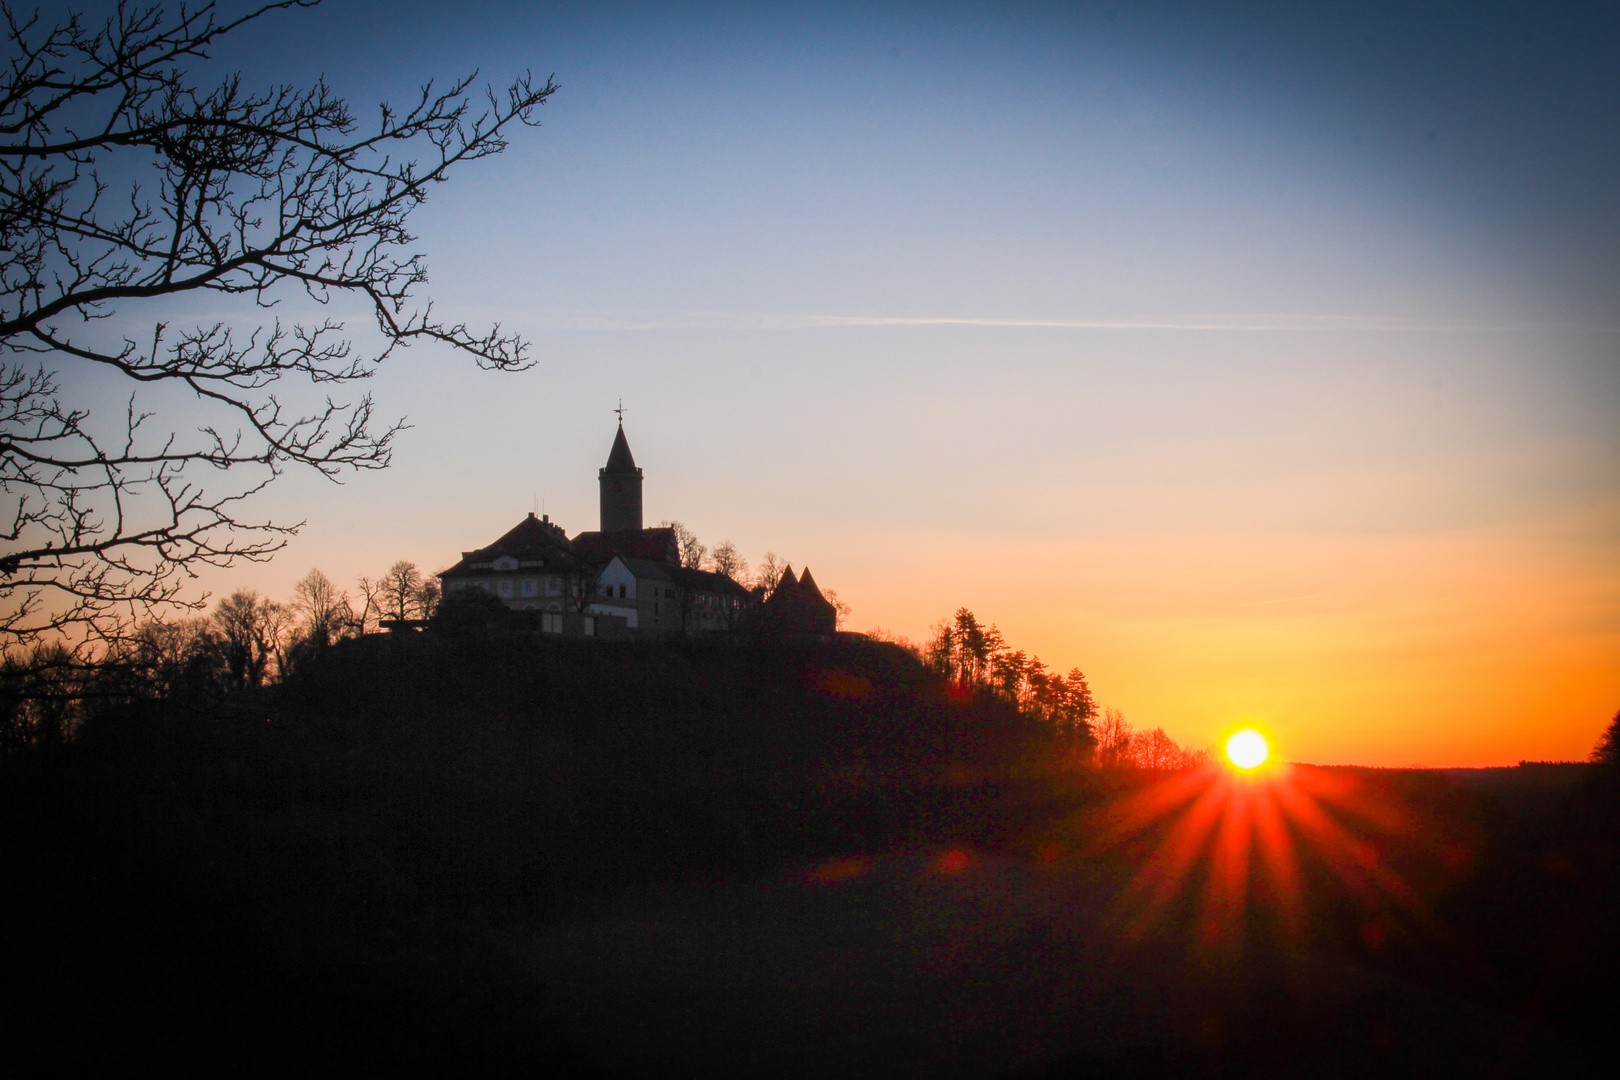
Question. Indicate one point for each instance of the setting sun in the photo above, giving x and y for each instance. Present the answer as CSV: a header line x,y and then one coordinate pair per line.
x,y
1247,749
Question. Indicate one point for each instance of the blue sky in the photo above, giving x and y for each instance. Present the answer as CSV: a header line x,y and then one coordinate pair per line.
x,y
1259,360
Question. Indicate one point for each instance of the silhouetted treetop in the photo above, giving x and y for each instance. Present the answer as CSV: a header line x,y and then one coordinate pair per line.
x,y
1607,751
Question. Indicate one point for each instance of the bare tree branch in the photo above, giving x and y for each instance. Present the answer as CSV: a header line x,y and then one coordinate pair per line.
x,y
249,194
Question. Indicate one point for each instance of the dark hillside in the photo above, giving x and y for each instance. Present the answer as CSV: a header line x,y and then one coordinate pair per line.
x,y
336,857
481,855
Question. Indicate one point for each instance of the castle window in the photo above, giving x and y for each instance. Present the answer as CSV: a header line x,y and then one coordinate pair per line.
x,y
530,586
551,624
505,587
621,591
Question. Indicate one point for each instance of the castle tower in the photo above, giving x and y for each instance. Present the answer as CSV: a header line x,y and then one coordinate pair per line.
x,y
620,481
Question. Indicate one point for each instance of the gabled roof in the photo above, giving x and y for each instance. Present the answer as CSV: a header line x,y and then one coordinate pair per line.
x,y
532,540
708,581
685,577
619,458
530,534
647,569
658,545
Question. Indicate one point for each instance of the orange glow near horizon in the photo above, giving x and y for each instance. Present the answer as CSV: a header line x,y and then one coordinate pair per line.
x,y
1349,650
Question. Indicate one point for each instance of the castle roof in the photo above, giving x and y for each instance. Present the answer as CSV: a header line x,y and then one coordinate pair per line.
x,y
807,585
533,542
685,577
787,588
658,544
619,458
530,534
796,606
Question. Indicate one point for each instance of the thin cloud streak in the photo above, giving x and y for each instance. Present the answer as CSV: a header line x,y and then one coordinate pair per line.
x,y
1279,600
585,319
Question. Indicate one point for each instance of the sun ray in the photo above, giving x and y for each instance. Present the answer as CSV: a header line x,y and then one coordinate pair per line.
x,y
1225,897
1244,840
1276,844
1162,878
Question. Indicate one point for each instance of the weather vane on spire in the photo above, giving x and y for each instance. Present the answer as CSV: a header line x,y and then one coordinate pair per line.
x,y
620,411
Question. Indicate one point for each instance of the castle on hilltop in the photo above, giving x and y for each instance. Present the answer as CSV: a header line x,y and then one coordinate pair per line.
x,y
625,579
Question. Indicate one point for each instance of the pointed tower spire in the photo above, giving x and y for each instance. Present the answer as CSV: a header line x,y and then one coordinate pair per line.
x,y
620,460
620,483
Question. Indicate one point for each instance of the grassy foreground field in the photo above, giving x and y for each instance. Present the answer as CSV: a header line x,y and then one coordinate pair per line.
x,y
521,856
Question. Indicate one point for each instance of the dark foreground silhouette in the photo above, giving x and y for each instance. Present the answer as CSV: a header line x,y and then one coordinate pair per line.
x,y
598,859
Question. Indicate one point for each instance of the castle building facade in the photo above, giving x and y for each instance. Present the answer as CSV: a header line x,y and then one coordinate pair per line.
x,y
620,578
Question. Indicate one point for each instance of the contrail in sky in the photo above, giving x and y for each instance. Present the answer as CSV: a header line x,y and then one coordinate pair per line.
x,y
585,319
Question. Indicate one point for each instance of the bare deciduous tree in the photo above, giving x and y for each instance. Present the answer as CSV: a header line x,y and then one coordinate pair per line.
x,y
1114,736
326,611
402,593
370,605
691,552
123,182
726,559
841,610
1155,750
178,657
251,627
768,574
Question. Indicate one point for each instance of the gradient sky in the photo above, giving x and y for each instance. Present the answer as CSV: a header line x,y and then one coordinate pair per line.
x,y
1263,363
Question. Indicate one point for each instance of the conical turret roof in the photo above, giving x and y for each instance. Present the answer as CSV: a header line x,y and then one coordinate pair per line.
x,y
619,459
787,587
807,586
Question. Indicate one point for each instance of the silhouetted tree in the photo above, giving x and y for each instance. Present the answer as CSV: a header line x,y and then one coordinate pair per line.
x,y
841,610
179,658
578,579
327,614
726,559
1155,750
41,698
428,597
403,593
123,182
1064,701
1114,736
370,605
768,574
1595,806
961,648
691,552
249,626
1010,673
1607,751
